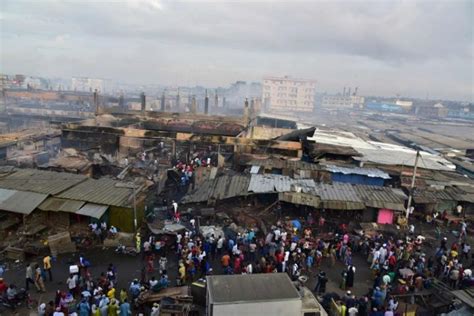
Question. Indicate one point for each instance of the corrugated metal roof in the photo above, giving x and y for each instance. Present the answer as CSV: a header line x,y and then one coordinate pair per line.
x,y
338,196
283,164
254,169
5,194
428,196
201,193
250,288
270,183
93,210
348,196
380,153
389,156
102,191
47,182
21,202
368,172
382,197
300,198
61,205
221,188
230,186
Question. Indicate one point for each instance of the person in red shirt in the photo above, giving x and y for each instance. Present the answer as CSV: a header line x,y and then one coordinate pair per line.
x,y
392,261
3,287
280,257
237,265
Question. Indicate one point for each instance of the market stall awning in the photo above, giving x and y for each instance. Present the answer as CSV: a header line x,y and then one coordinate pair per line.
x,y
61,205
93,210
21,202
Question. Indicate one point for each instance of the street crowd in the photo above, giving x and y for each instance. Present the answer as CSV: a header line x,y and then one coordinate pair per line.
x,y
303,249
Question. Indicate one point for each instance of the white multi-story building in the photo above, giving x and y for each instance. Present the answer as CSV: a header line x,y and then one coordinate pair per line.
x,y
342,101
88,84
287,94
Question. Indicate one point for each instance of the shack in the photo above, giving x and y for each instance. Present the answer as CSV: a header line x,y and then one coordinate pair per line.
x,y
258,294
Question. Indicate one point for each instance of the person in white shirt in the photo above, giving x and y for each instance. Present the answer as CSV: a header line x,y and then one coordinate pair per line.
x,y
155,310
392,304
175,206
220,244
58,312
72,282
249,268
352,311
277,233
293,246
153,282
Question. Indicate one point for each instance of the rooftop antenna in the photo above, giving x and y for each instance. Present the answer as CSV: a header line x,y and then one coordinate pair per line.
x,y
412,186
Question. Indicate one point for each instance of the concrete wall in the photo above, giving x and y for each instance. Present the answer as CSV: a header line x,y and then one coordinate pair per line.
x,y
277,308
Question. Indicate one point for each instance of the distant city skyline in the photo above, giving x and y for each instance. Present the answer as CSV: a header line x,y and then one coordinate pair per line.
x,y
410,48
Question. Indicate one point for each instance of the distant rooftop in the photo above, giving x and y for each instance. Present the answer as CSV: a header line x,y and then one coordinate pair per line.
x,y
380,153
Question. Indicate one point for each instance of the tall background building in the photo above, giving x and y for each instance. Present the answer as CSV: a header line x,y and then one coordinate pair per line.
x,y
283,94
346,100
87,84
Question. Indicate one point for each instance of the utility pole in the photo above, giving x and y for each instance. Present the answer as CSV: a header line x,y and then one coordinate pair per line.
x,y
134,208
412,186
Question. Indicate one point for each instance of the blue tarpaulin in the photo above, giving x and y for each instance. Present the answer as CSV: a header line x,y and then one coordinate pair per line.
x,y
296,223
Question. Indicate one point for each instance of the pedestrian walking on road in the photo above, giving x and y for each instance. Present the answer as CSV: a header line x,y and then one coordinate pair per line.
x,y
29,277
39,282
321,284
350,276
47,267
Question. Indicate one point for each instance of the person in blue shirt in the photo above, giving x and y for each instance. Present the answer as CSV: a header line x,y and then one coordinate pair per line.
x,y
135,289
125,308
84,308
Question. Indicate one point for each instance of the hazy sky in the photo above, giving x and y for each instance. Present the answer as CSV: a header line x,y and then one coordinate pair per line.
x,y
412,48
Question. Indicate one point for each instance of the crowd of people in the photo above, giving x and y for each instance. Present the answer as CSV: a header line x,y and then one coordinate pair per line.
x,y
303,249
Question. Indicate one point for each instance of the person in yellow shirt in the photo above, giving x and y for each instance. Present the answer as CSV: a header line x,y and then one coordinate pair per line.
x,y
182,273
123,295
111,293
113,307
95,310
47,267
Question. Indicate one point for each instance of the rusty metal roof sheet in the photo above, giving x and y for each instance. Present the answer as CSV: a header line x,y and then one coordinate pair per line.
x,y
46,182
103,191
